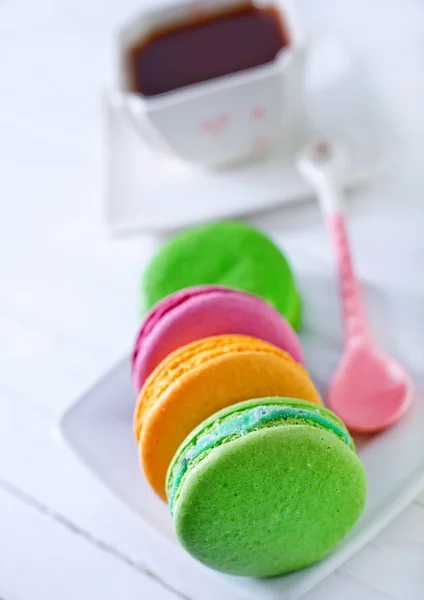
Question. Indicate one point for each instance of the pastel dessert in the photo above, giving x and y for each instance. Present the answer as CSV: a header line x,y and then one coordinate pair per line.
x,y
231,254
204,311
197,380
265,487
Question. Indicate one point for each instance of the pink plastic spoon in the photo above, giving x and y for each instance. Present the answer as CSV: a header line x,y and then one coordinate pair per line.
x,y
369,391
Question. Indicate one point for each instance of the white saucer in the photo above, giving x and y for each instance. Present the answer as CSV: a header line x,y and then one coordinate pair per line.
x,y
150,191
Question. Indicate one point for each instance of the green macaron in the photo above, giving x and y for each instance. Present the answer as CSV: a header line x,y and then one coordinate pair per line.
x,y
231,254
265,487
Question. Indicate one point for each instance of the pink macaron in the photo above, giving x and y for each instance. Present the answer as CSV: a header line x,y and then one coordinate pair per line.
x,y
204,311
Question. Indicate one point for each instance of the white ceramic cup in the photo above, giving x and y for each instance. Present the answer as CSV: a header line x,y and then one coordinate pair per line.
x,y
224,120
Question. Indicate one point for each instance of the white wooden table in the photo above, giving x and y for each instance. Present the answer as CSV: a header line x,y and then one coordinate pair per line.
x,y
68,294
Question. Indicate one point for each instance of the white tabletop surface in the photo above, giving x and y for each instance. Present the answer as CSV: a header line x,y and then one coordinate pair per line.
x,y
68,293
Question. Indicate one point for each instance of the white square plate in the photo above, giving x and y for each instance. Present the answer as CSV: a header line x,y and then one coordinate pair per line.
x,y
99,429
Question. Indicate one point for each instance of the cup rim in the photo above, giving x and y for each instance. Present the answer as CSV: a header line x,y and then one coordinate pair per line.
x,y
285,7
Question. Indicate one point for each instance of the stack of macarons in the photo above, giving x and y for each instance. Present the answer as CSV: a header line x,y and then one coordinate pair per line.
x,y
260,478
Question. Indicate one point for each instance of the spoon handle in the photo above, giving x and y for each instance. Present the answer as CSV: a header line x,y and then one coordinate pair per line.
x,y
355,322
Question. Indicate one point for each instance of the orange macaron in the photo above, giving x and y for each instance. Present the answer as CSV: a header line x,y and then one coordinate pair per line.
x,y
202,378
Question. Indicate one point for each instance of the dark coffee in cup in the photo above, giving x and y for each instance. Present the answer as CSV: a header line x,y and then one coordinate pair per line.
x,y
204,48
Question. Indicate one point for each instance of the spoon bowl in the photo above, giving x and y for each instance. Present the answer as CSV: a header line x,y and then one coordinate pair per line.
x,y
369,391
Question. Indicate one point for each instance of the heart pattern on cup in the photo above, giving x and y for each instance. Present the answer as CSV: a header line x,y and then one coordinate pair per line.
x,y
258,112
217,124
259,143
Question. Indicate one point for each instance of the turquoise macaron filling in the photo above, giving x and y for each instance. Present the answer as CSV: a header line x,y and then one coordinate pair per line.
x,y
243,422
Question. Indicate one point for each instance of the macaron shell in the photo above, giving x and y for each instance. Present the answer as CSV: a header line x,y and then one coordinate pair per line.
x,y
273,501
294,314
226,414
207,311
186,358
163,307
188,392
231,254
